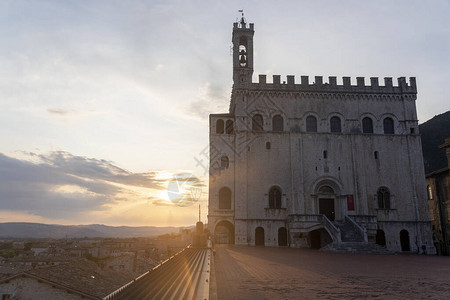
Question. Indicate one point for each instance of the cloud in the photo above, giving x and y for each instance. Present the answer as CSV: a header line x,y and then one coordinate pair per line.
x,y
162,202
100,169
61,112
211,98
62,185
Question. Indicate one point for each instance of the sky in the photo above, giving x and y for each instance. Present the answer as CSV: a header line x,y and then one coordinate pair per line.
x,y
105,104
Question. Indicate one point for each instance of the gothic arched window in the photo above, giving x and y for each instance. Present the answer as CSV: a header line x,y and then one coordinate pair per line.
x,y
335,124
311,124
367,125
274,197
384,198
277,123
257,123
388,125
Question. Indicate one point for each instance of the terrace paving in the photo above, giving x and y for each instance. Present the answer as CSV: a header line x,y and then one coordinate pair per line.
x,y
243,272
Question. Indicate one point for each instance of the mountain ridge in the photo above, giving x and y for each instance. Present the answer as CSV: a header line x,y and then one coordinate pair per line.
x,y
433,134
41,230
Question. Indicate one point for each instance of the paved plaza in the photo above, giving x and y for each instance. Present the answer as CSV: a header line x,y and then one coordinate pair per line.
x,y
244,272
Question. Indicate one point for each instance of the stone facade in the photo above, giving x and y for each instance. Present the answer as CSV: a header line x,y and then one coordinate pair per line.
x,y
438,185
291,162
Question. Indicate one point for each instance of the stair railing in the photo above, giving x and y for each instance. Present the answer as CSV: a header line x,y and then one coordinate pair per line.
x,y
333,230
362,230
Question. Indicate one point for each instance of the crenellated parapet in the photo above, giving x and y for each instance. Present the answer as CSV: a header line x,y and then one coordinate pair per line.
x,y
243,26
318,85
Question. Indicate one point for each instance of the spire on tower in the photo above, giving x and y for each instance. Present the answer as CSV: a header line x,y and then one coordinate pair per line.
x,y
242,18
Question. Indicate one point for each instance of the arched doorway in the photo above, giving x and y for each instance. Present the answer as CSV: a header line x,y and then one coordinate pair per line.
x,y
326,202
224,233
404,240
319,238
380,238
259,236
282,236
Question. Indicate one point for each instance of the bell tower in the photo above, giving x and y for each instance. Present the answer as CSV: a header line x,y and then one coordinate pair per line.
x,y
242,51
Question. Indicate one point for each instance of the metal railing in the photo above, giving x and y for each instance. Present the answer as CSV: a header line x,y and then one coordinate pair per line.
x,y
185,275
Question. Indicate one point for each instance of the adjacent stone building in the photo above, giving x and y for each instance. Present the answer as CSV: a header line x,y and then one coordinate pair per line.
x,y
438,186
304,164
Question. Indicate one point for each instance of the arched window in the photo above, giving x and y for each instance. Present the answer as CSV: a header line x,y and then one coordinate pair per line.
x,y
367,125
243,51
335,124
326,190
257,123
311,124
224,162
219,126
274,197
229,127
224,198
388,125
384,198
277,123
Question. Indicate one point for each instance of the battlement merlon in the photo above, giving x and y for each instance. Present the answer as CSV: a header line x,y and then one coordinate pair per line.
x,y
331,86
239,25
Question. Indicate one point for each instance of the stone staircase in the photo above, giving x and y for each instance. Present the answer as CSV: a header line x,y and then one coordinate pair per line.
x,y
349,233
353,240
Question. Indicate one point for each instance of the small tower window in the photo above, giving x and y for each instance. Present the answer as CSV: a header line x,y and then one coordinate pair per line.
x,y
224,162
257,123
219,126
277,123
375,154
367,125
268,145
325,154
311,124
229,127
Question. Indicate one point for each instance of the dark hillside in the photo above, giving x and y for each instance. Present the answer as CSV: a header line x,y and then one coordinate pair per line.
x,y
433,133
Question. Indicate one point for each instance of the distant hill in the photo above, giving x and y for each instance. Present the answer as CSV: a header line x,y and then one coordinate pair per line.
x,y
433,133
37,230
